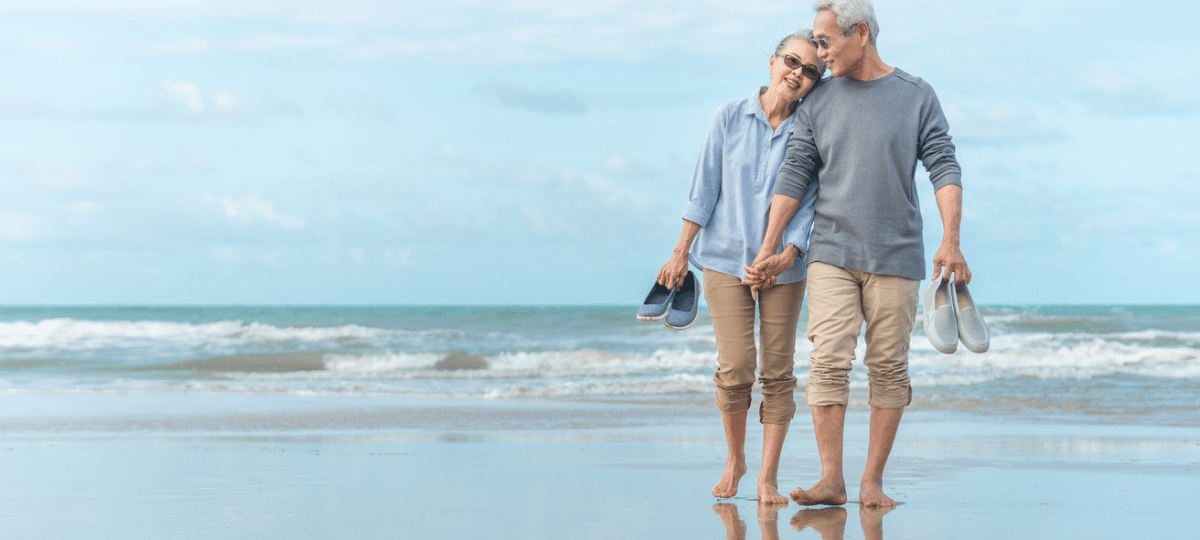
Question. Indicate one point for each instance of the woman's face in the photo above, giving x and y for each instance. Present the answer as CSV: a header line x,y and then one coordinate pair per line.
x,y
794,70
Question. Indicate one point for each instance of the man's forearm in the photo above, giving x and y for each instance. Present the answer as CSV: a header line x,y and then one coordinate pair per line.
x,y
783,208
949,201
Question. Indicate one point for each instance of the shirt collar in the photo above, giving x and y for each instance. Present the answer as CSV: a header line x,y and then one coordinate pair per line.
x,y
753,107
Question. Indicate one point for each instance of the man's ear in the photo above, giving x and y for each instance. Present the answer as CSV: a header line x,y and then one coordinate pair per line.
x,y
862,29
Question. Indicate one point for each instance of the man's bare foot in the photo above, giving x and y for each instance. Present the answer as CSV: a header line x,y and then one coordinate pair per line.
x,y
768,493
871,495
728,485
829,522
830,492
735,528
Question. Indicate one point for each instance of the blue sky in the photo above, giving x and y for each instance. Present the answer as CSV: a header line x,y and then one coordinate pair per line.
x,y
461,151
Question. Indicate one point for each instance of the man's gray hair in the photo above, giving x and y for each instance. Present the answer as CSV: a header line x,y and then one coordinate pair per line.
x,y
806,35
849,13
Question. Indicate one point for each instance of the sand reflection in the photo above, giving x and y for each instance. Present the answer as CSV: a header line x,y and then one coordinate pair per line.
x,y
829,522
735,528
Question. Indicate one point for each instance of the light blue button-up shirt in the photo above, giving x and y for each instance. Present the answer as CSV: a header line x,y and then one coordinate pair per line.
x,y
732,188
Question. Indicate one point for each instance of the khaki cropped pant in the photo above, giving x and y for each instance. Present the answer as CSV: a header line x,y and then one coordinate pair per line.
x,y
839,300
732,310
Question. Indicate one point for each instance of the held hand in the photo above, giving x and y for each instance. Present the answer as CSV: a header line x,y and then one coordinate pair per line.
x,y
951,258
776,264
755,273
672,273
765,271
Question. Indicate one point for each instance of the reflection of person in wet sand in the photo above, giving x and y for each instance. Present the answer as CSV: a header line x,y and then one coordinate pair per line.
x,y
831,522
735,529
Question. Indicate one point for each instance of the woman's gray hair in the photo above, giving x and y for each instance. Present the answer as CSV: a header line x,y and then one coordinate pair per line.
x,y
807,36
849,13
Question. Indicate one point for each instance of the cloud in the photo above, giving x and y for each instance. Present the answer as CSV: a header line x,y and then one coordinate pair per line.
x,y
1115,93
224,100
226,254
250,209
189,94
561,101
1172,249
618,164
999,123
22,227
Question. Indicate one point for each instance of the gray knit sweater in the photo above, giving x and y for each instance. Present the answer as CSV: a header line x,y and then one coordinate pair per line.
x,y
860,140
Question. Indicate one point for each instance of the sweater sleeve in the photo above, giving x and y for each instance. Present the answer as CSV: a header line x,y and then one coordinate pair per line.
x,y
706,180
802,161
935,147
800,227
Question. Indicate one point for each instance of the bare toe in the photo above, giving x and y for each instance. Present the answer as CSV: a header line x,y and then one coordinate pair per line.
x,y
769,494
872,496
728,486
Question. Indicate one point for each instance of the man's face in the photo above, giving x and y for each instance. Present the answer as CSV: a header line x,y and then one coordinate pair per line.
x,y
840,53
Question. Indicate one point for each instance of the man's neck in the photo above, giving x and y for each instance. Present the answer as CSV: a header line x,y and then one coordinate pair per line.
x,y
871,66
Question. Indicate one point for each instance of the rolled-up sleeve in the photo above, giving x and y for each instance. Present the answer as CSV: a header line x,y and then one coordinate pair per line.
x,y
706,181
936,149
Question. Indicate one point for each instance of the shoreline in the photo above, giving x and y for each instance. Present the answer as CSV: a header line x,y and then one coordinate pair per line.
x,y
545,470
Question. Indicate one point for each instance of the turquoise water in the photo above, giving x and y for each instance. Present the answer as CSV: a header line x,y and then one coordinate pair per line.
x,y
1121,363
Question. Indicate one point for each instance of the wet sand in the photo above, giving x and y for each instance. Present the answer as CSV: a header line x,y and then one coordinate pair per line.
x,y
205,466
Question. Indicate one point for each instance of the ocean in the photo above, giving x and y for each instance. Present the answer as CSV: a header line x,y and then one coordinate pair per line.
x,y
1114,363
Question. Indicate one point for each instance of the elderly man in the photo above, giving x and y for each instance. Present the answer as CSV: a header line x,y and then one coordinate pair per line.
x,y
859,136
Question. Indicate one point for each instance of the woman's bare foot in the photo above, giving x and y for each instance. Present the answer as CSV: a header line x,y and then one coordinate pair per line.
x,y
728,486
832,492
768,492
871,495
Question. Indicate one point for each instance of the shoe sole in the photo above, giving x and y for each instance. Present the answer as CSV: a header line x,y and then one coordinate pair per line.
x,y
689,325
658,318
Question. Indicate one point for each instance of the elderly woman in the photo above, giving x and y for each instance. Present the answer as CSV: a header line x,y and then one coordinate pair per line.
x,y
723,227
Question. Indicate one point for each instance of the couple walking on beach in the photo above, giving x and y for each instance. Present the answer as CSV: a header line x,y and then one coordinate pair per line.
x,y
833,159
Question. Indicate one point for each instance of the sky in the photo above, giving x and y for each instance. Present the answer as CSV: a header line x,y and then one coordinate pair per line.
x,y
540,152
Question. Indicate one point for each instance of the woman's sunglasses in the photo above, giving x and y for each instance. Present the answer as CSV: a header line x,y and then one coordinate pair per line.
x,y
794,63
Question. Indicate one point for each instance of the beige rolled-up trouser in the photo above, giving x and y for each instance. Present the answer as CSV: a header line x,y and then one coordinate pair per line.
x,y
839,300
732,311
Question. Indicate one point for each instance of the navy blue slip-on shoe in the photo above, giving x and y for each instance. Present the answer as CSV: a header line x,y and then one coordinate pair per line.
x,y
686,304
654,308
